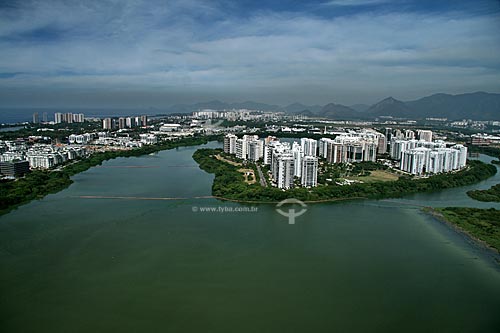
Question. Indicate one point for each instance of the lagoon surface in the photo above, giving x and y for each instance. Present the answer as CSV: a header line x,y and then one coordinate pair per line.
x,y
85,260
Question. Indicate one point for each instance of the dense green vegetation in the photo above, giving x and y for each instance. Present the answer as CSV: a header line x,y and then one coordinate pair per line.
x,y
483,224
229,184
37,184
492,194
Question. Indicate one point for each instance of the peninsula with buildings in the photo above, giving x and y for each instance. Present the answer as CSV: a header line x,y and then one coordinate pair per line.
x,y
345,165
297,163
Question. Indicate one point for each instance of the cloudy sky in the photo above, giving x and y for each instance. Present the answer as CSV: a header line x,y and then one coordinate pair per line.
x,y
141,53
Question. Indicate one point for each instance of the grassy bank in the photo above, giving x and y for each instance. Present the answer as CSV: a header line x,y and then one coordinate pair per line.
x,y
228,183
480,224
39,183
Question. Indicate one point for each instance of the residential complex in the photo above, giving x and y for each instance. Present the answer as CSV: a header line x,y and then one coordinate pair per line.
x,y
287,162
293,163
424,156
124,122
309,176
39,156
352,147
249,147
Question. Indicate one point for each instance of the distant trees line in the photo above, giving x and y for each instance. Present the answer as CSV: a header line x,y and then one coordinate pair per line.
x,y
229,183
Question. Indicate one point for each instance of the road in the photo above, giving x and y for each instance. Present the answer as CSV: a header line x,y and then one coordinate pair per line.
x,y
261,176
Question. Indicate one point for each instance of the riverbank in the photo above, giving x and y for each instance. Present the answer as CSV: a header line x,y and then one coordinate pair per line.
x,y
480,225
39,183
229,184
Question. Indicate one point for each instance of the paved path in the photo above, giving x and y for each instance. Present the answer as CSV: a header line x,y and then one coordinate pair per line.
x,y
261,176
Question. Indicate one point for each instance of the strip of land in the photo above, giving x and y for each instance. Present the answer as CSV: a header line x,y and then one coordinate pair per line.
x,y
482,225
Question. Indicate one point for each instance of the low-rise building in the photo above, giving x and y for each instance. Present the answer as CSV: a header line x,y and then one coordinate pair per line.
x,y
14,168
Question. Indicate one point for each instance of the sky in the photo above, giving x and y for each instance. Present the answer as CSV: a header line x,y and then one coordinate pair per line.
x,y
152,53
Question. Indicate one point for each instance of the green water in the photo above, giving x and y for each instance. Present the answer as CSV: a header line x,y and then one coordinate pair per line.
x,y
69,264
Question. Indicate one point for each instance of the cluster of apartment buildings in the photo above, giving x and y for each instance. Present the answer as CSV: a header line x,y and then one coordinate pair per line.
x,y
299,160
81,138
107,139
424,156
287,162
67,117
46,156
482,139
59,118
37,120
415,152
124,122
39,156
353,147
236,114
249,147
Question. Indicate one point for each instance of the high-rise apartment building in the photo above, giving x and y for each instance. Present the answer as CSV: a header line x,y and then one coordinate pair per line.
x,y
309,174
58,117
309,146
298,155
107,123
285,169
78,117
121,123
230,144
423,160
425,135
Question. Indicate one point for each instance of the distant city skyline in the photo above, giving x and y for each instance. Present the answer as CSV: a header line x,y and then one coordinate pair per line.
x,y
160,53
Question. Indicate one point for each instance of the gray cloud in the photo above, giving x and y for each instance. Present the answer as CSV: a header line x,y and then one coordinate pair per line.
x,y
192,50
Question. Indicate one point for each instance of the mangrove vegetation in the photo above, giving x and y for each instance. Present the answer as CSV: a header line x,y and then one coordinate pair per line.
x,y
483,224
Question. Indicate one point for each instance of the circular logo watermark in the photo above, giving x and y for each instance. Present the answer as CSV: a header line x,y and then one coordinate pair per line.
x,y
291,213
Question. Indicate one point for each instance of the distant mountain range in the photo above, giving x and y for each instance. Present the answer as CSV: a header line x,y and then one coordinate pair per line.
x,y
477,106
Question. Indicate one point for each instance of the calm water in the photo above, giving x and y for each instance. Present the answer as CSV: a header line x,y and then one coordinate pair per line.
x,y
70,264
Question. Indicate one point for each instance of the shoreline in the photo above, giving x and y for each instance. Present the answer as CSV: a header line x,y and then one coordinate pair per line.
x,y
479,243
